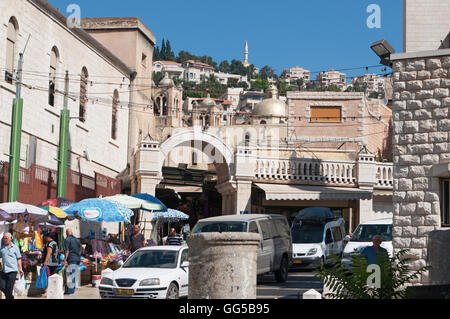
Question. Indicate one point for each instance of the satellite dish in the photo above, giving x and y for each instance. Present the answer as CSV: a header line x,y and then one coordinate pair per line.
x,y
385,101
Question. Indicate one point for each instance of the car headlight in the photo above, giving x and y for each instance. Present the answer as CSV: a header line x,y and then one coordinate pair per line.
x,y
312,251
107,281
150,282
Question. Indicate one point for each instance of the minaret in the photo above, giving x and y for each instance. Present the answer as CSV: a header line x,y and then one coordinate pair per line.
x,y
246,64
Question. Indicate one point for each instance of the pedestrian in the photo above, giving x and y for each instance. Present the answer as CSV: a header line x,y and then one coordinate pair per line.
x,y
173,238
72,254
12,264
137,240
374,253
50,256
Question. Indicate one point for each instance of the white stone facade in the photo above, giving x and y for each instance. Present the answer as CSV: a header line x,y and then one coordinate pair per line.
x,y
46,30
426,24
421,147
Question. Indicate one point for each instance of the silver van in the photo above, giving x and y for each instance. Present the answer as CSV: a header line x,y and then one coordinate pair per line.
x,y
275,247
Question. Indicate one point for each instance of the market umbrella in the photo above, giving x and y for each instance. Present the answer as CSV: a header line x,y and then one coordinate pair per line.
x,y
5,217
38,215
158,205
55,211
135,203
171,215
100,210
58,202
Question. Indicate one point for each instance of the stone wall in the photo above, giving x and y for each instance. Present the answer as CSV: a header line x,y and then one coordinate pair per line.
x,y
41,120
421,140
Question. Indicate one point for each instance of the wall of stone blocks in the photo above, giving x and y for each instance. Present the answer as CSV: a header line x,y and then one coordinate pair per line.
x,y
421,139
108,157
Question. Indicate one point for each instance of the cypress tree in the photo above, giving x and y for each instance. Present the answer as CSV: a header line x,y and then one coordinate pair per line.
x,y
163,50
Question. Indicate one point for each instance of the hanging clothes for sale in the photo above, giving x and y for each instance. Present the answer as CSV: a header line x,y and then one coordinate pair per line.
x,y
38,240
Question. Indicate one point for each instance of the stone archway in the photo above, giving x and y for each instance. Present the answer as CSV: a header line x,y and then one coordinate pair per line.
x,y
150,157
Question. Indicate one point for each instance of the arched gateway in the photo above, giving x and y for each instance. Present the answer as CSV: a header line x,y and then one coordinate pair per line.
x,y
150,156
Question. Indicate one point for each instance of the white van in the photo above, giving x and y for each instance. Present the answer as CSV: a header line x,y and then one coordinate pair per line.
x,y
275,248
315,239
363,235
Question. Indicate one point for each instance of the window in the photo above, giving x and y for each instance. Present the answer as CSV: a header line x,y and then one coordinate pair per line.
x,y
337,236
194,159
144,60
326,114
247,139
184,256
266,229
282,228
83,94
253,228
115,108
328,238
54,59
10,49
445,214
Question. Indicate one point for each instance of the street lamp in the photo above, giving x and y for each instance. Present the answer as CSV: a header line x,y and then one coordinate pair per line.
x,y
384,50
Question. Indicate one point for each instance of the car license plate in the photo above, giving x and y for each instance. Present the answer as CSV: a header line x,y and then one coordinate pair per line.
x,y
297,261
124,292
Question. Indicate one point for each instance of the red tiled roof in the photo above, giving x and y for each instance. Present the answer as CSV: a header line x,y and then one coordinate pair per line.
x,y
168,62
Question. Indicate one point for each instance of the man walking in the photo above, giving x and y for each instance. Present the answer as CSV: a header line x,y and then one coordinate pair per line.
x,y
374,254
12,263
137,240
72,253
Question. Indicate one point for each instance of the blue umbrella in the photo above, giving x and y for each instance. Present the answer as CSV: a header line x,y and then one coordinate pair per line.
x,y
171,215
100,210
152,199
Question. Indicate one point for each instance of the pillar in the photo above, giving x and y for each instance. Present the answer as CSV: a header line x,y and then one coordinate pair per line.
x,y
243,197
223,265
147,184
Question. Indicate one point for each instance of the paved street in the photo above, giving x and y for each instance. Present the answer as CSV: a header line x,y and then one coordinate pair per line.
x,y
299,281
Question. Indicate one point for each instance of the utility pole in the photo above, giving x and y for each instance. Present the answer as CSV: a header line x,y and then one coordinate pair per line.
x,y
63,143
16,138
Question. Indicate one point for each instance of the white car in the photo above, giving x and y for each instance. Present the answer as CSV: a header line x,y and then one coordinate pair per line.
x,y
363,235
159,272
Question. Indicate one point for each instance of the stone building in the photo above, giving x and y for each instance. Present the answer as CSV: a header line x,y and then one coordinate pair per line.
x,y
426,25
167,104
132,42
421,152
99,107
332,77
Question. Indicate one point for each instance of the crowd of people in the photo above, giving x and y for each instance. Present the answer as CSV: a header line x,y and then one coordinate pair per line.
x,y
12,261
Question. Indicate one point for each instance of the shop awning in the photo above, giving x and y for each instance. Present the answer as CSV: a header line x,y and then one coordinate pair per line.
x,y
186,189
304,192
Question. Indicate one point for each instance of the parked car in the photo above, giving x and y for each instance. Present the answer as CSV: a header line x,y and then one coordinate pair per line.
x,y
158,272
363,235
275,249
316,234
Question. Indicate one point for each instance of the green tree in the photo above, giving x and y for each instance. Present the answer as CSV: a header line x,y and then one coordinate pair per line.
x,y
169,54
345,283
261,84
267,72
224,66
373,95
163,50
157,77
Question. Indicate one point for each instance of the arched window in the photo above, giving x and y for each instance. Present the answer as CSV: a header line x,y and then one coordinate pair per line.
x,y
247,139
54,59
115,108
194,159
83,94
11,40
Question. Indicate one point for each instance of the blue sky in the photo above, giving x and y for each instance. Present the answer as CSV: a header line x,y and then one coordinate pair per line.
x,y
317,35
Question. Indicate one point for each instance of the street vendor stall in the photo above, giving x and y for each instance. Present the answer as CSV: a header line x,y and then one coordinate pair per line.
x,y
169,217
101,248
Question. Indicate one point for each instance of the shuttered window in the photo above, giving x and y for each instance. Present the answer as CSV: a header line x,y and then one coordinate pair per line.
x,y
326,114
83,94
115,107
10,49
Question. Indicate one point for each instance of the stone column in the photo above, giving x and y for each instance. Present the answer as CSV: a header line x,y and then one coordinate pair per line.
x,y
223,265
366,172
147,184
243,197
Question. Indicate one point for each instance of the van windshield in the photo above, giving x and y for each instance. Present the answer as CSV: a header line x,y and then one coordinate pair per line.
x,y
221,227
307,233
365,233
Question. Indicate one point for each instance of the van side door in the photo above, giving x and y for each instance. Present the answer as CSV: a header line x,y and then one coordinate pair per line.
x,y
338,242
328,243
253,228
267,249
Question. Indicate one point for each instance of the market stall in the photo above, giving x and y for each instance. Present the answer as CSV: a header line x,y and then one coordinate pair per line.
x,y
102,248
169,218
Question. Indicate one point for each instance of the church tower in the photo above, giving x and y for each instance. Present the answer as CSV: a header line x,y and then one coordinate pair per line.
x,y
246,64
